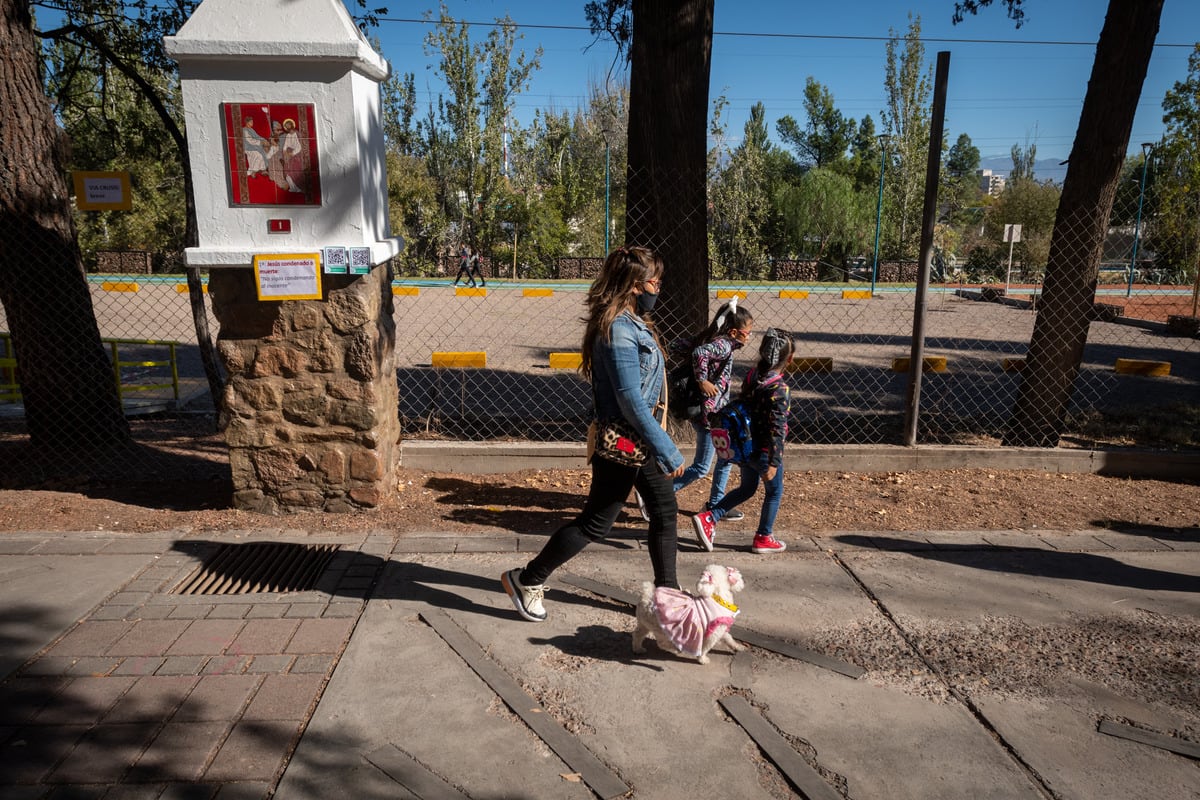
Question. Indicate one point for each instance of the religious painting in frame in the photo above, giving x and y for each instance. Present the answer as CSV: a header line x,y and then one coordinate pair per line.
x,y
272,151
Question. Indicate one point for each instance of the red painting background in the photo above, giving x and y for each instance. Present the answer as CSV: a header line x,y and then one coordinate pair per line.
x,y
272,150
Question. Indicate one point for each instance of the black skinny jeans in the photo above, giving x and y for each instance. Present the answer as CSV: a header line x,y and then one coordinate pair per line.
x,y
611,483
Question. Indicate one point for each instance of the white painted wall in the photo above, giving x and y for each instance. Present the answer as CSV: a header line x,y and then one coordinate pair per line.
x,y
315,55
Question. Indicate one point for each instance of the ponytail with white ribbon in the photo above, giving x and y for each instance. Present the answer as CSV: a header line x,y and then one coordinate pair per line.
x,y
730,308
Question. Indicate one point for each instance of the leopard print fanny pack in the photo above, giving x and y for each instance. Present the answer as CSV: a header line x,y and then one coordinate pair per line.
x,y
616,440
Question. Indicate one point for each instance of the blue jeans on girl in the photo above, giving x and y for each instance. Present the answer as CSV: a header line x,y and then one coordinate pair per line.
x,y
705,453
752,472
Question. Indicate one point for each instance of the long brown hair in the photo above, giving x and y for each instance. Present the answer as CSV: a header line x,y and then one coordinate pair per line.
x,y
612,293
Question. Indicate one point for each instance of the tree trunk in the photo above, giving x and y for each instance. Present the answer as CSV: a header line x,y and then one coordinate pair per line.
x,y
1068,295
67,381
666,200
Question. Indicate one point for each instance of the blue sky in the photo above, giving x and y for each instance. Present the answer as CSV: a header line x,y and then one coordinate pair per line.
x,y
999,93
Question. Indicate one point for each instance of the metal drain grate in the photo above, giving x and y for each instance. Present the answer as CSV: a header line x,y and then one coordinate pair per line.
x,y
259,567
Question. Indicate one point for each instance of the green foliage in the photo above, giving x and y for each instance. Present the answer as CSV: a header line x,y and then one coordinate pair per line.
x,y
1173,193
906,123
111,126
738,194
960,188
1030,204
1023,159
463,139
827,135
826,219
863,166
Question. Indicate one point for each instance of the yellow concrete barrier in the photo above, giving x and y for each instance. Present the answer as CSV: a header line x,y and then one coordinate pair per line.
x,y
1013,364
565,360
793,294
459,359
467,291
182,288
1134,366
115,286
405,291
815,364
537,292
928,364
729,294
856,294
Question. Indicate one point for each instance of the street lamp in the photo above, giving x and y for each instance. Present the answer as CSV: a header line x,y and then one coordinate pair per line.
x,y
883,140
1137,226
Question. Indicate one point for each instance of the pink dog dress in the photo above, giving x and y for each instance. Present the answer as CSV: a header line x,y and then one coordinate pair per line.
x,y
686,619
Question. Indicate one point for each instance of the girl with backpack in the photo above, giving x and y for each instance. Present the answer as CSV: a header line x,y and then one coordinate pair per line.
x,y
710,355
768,398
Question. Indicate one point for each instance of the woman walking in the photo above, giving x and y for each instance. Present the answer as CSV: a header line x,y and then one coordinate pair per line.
x,y
624,362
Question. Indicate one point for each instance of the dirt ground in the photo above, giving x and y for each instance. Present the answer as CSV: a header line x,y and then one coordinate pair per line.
x,y
537,501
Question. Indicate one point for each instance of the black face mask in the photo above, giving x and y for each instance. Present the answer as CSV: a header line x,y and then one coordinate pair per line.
x,y
645,302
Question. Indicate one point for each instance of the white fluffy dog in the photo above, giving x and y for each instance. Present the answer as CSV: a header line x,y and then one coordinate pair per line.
x,y
686,623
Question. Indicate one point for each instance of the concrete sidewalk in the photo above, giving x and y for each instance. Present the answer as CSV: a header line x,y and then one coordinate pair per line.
x,y
406,672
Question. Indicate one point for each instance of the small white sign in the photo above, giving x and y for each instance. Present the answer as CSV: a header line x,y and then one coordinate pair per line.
x,y
1012,233
295,276
102,191
336,260
360,261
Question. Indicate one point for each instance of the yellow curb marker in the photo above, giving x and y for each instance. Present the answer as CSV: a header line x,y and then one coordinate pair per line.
x,y
459,359
856,294
537,292
183,289
928,364
118,287
729,294
405,291
793,294
565,360
467,291
1134,366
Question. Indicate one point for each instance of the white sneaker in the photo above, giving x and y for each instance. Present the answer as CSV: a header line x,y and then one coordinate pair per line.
x,y
527,599
641,505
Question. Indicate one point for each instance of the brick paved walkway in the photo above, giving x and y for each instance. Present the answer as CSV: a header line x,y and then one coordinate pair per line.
x,y
154,694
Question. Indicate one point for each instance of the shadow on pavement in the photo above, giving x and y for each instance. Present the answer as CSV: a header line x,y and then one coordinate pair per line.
x,y
1088,567
1161,532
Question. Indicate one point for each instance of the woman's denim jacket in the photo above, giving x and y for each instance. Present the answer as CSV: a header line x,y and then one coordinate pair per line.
x,y
627,376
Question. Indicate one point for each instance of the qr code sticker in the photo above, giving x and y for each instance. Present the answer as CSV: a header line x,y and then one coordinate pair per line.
x,y
360,257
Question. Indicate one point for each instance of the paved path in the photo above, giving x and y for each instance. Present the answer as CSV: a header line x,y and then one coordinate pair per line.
x,y
375,684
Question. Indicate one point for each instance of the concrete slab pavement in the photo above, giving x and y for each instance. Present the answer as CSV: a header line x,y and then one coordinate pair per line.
x,y
349,691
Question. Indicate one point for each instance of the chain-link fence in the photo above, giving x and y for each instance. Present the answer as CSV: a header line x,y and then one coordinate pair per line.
x,y
497,361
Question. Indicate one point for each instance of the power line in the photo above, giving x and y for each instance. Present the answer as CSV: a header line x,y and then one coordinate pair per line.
x,y
817,36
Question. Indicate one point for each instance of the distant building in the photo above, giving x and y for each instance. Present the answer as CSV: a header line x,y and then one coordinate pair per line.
x,y
990,183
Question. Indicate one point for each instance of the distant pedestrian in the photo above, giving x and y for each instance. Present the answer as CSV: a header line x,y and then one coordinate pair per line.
x,y
623,361
464,265
475,271
769,399
710,357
